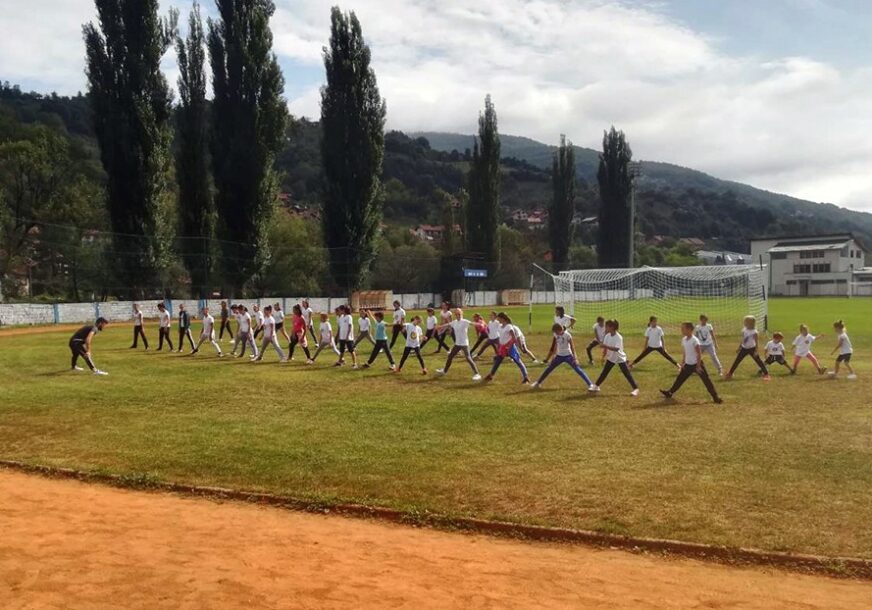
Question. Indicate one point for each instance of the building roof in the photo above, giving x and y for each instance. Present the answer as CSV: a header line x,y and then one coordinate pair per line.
x,y
804,246
810,238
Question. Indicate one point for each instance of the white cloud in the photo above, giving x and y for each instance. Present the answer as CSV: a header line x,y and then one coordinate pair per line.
x,y
789,124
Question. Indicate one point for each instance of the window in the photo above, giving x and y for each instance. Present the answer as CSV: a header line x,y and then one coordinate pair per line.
x,y
822,282
811,254
802,268
821,268
791,282
779,256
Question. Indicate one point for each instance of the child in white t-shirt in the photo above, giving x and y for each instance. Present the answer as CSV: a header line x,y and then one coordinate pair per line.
x,y
708,342
654,343
599,332
563,352
802,349
691,364
749,347
363,329
775,352
325,337
613,351
845,349
414,335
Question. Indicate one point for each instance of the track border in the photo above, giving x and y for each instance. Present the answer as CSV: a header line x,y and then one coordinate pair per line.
x,y
838,567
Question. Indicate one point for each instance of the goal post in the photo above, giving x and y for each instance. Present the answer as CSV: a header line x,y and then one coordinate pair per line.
x,y
725,293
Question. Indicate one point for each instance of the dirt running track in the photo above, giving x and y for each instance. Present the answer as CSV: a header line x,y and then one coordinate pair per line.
x,y
65,544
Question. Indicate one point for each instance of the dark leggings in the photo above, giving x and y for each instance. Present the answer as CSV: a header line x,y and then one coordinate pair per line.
x,y
624,369
164,334
137,333
687,371
295,340
78,350
395,334
409,350
744,353
589,349
777,360
458,349
185,332
482,337
225,325
557,361
381,345
660,350
494,343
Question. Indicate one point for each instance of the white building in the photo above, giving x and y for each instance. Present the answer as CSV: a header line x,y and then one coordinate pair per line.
x,y
823,265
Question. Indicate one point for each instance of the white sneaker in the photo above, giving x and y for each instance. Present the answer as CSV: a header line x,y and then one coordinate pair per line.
x,y
635,392
535,385
476,377
355,367
99,372
440,371
284,360
78,368
852,376
310,361
535,361
593,388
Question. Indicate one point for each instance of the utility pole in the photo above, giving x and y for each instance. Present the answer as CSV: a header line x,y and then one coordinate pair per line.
x,y
635,170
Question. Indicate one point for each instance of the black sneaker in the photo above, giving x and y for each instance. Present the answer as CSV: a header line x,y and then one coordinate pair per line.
x,y
666,393
719,400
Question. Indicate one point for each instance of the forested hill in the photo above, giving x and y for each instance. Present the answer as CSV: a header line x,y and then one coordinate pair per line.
x,y
686,189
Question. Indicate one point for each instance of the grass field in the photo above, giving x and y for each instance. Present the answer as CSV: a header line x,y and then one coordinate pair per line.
x,y
784,465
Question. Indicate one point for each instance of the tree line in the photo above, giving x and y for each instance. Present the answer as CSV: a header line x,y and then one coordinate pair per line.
x,y
201,172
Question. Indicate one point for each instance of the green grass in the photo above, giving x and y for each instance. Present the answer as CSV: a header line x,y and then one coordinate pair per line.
x,y
785,465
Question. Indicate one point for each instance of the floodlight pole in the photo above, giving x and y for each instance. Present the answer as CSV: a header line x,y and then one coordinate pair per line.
x,y
635,170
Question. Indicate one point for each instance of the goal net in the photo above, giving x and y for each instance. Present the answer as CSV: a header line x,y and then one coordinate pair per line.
x,y
725,293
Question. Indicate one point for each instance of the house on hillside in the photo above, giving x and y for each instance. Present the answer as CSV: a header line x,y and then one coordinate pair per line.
x,y
432,233
811,265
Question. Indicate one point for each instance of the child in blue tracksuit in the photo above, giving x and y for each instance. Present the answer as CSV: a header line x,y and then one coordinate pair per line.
x,y
508,349
563,350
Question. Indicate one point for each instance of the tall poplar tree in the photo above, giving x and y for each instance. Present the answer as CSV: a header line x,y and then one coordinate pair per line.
x,y
250,116
196,207
132,107
483,209
352,122
562,203
615,186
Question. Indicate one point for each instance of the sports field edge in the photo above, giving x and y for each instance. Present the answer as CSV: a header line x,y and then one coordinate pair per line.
x,y
835,567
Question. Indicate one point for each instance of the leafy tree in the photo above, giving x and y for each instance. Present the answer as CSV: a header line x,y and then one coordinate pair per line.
x,y
131,101
406,262
483,209
250,118
196,207
563,203
353,143
615,183
297,262
33,176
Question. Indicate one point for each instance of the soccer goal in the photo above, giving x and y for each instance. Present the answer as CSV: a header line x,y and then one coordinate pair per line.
x,y
726,294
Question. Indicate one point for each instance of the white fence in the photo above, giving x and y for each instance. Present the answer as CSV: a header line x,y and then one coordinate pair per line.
x,y
22,314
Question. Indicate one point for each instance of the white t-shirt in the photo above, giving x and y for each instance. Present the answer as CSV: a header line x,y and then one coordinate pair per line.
x,y
749,338
446,315
244,322
519,334
562,341
506,333
363,324
431,322
208,325
164,319
461,332
494,329
413,335
278,316
399,315
802,344
346,327
775,348
689,344
599,332
137,318
326,332
258,315
705,334
617,341
269,327
845,343
564,321
655,337
307,315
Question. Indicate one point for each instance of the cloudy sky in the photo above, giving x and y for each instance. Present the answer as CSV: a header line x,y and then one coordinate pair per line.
x,y
774,93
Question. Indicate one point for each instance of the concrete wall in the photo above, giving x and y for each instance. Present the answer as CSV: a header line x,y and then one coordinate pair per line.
x,y
24,314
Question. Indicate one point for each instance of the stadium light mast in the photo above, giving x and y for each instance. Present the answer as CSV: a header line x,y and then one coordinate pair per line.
x,y
635,170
